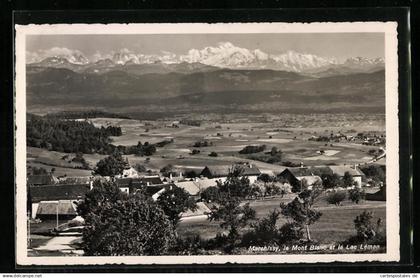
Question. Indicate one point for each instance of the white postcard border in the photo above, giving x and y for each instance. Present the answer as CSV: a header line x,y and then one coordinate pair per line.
x,y
392,144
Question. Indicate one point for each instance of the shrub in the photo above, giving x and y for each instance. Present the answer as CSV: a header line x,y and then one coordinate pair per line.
x,y
252,149
335,198
290,232
364,226
356,195
195,151
366,231
213,154
210,194
190,245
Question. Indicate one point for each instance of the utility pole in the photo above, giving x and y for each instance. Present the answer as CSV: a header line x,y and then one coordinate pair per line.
x,y
29,229
58,203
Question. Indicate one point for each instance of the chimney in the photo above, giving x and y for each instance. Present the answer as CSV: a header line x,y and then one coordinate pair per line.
x,y
180,174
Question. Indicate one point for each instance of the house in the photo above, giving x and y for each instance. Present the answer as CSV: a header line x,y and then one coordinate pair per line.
x,y
203,184
127,185
75,180
43,198
298,177
356,174
63,209
189,186
45,179
221,172
129,172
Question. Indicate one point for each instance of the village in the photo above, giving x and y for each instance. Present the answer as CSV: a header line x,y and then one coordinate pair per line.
x,y
52,201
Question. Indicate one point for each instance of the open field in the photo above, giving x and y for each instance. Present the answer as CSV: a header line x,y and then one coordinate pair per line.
x,y
228,135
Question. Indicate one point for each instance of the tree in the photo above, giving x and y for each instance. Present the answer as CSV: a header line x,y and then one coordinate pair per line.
x,y
233,217
111,165
228,208
364,227
168,170
210,194
174,201
335,198
265,178
330,180
348,180
118,224
300,210
356,194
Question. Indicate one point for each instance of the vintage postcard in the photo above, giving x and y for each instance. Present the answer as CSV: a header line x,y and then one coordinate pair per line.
x,y
207,143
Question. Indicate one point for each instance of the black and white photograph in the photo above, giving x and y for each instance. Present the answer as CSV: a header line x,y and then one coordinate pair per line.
x,y
206,143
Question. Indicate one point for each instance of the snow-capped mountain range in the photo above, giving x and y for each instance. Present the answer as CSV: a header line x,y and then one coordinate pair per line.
x,y
224,55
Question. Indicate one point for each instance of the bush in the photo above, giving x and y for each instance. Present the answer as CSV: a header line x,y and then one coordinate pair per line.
x,y
364,226
213,154
195,151
190,245
366,231
290,233
252,149
356,195
335,198
210,194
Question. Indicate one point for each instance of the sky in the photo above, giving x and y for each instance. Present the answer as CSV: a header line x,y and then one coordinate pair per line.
x,y
337,45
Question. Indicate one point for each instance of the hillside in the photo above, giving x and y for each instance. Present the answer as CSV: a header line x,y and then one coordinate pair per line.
x,y
212,89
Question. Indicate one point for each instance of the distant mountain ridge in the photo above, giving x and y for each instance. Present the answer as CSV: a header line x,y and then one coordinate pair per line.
x,y
224,55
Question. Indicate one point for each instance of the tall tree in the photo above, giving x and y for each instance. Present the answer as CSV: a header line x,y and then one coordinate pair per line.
x,y
118,224
111,165
301,211
174,201
229,208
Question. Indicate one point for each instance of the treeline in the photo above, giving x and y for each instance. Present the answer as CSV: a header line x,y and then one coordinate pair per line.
x,y
69,136
86,115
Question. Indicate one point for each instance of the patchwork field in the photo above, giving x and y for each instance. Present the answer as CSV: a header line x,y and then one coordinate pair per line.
x,y
227,136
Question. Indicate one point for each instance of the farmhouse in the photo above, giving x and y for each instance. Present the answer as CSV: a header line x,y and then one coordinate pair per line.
x,y
298,177
49,200
132,184
221,172
195,187
354,172
45,179
129,172
189,186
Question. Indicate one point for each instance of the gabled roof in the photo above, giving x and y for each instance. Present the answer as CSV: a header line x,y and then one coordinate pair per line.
x,y
74,180
58,192
310,179
41,179
50,208
126,182
201,209
223,171
203,184
189,186
298,171
341,170
151,179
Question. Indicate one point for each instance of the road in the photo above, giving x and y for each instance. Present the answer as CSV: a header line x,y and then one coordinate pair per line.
x,y
61,244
